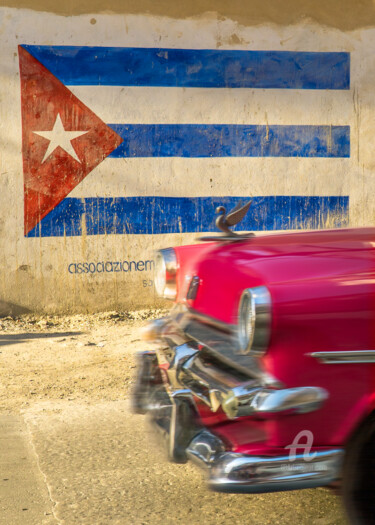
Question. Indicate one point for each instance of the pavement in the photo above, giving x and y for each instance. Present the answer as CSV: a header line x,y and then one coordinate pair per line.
x,y
72,452
67,463
24,494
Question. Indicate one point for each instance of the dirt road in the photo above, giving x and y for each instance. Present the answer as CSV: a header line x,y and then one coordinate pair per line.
x,y
71,452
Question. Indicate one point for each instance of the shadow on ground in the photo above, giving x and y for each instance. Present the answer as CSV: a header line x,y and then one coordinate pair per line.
x,y
11,339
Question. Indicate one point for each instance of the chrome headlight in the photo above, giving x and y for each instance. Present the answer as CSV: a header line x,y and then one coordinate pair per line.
x,y
254,320
166,273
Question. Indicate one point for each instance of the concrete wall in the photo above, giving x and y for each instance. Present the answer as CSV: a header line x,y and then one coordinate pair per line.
x,y
123,127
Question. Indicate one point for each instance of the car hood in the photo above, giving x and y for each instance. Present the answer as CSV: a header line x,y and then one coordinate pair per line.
x,y
319,262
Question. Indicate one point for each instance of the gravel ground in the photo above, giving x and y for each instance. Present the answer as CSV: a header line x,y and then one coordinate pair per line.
x,y
69,378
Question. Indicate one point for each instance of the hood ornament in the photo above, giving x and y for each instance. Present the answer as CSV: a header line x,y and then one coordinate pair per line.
x,y
224,221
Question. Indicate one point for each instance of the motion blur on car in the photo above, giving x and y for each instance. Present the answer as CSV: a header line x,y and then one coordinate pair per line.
x,y
263,372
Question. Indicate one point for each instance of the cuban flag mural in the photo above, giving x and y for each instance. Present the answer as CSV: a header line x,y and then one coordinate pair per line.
x,y
89,167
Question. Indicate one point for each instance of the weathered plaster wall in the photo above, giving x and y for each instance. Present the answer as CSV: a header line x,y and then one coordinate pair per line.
x,y
145,158
344,14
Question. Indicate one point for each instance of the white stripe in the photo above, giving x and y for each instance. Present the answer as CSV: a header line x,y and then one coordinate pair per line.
x,y
155,105
181,177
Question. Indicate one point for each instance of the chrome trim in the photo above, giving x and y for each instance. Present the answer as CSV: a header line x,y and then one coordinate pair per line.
x,y
219,338
174,413
181,354
167,257
246,317
209,383
183,424
260,303
223,347
233,472
242,401
147,377
204,449
193,288
345,357
219,388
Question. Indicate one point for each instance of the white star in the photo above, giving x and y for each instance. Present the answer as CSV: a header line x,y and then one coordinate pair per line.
x,y
58,136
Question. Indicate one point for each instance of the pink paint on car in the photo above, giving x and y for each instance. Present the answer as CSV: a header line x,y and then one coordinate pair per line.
x,y
264,370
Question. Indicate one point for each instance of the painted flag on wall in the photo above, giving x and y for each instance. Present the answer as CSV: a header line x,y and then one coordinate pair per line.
x,y
65,139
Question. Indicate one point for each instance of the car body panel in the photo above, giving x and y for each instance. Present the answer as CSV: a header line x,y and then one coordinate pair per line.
x,y
322,290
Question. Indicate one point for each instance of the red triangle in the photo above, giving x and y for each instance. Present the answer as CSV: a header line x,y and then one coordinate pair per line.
x,y
43,98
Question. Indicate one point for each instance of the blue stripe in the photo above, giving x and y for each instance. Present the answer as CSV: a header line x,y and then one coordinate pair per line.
x,y
209,68
160,215
223,140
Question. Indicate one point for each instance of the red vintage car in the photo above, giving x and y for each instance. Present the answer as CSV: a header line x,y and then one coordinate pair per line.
x,y
263,373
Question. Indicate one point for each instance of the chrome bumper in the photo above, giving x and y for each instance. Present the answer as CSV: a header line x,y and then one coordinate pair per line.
x,y
239,473
218,387
236,397
173,412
